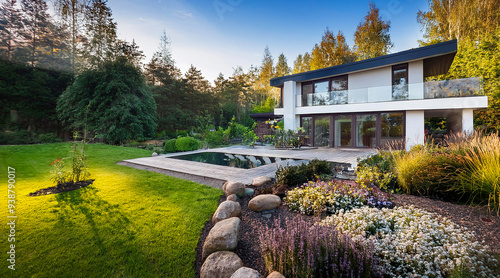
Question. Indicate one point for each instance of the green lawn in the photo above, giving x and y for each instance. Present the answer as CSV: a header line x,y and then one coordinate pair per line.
x,y
129,223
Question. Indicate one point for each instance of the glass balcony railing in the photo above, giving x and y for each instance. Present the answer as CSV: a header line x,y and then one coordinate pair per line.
x,y
426,90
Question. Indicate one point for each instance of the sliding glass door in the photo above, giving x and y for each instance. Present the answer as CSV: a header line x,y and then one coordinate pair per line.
x,y
322,131
343,131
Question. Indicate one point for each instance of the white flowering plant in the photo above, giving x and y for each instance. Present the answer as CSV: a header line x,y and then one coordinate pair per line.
x,y
334,196
411,242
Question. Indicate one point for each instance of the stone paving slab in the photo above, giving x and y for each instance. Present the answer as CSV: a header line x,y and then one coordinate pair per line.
x,y
201,171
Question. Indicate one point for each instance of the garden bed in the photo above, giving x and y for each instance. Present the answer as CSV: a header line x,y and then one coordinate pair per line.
x,y
65,187
476,219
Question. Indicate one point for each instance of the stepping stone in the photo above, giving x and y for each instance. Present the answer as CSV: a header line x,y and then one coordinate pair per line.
x,y
267,160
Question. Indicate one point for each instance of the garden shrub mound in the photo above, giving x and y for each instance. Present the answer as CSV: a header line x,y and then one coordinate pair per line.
x,y
293,176
411,242
65,187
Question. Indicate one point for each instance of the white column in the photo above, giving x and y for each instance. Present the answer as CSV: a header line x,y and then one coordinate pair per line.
x,y
415,132
416,80
289,103
468,120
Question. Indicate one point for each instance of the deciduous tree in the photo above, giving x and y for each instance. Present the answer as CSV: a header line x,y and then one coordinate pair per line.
x,y
372,38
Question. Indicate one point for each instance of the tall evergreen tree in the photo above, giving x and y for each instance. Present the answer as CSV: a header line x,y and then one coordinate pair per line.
x,y
372,37
72,12
37,22
195,79
306,62
162,64
282,68
101,30
11,28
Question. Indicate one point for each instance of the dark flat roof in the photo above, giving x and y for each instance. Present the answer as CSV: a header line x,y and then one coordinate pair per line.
x,y
430,54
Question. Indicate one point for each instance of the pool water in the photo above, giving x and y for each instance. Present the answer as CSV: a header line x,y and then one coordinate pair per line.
x,y
231,160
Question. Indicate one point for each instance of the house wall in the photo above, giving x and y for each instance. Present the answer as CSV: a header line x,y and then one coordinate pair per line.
x,y
415,130
416,80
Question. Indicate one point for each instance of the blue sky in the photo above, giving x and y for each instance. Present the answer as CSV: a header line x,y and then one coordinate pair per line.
x,y
218,35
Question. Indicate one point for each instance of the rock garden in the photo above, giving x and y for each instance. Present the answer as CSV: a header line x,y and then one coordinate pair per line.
x,y
305,222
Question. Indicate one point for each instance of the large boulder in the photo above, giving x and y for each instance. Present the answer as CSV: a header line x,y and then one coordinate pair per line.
x,y
226,210
220,264
246,272
275,274
222,237
233,187
264,202
259,181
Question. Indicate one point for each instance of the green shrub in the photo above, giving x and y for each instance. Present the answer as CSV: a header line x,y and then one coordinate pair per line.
x,y
170,146
216,138
18,138
48,138
185,144
300,174
383,160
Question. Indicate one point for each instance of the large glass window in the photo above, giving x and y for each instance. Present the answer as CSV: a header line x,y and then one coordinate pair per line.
x,y
338,94
391,125
322,131
400,82
306,124
307,94
366,130
343,131
321,96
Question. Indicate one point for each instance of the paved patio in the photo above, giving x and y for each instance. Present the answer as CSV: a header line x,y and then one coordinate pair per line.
x,y
215,175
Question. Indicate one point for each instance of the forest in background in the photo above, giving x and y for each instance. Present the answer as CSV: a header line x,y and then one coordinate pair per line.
x,y
68,71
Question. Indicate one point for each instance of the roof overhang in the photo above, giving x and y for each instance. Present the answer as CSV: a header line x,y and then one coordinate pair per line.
x,y
437,60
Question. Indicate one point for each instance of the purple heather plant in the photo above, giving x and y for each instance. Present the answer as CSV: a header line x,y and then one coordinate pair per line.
x,y
297,248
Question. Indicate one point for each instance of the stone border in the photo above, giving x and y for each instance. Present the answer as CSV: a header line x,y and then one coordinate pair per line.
x,y
217,256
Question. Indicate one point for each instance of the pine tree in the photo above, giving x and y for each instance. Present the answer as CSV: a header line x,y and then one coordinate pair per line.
x,y
195,79
161,69
266,72
101,30
372,38
282,68
306,62
37,22
11,28
72,12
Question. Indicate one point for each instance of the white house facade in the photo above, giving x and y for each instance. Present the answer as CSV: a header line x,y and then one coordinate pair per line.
x,y
373,102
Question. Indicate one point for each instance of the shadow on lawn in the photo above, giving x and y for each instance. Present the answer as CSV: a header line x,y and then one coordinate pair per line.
x,y
111,231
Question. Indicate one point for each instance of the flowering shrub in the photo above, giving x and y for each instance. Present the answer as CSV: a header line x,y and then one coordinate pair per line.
x,y
298,249
334,196
411,242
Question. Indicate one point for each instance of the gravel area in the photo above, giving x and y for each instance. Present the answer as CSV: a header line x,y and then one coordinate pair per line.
x,y
478,219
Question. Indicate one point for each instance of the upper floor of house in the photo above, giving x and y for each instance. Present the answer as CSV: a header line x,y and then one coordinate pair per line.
x,y
390,78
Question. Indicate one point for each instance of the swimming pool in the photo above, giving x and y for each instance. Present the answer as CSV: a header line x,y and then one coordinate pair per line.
x,y
231,160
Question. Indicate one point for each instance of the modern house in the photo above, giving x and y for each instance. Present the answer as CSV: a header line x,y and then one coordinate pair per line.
x,y
372,102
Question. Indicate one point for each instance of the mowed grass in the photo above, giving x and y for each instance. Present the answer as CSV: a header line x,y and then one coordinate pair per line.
x,y
128,223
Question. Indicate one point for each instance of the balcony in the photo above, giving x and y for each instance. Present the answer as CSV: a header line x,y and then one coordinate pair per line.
x,y
427,90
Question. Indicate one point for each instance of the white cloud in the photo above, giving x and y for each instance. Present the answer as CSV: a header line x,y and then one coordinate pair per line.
x,y
183,14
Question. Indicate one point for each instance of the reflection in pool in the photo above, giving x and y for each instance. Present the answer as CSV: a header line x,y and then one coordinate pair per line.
x,y
232,160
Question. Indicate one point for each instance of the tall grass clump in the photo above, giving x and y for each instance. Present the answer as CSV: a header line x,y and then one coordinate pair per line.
x,y
424,170
479,176
297,248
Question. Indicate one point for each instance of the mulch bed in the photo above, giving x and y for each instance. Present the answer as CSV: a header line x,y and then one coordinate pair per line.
x,y
486,226
69,186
